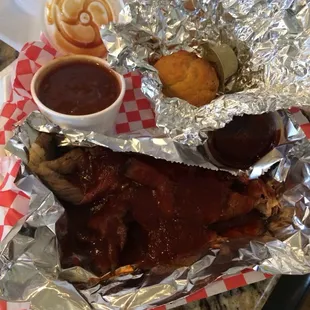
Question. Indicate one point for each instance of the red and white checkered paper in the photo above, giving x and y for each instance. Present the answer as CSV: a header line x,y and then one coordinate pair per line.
x,y
13,202
14,306
226,283
135,114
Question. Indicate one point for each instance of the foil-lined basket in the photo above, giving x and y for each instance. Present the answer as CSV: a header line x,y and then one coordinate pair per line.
x,y
30,260
271,43
269,38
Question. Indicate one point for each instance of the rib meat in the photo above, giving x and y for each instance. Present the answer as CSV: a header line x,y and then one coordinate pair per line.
x,y
143,211
147,175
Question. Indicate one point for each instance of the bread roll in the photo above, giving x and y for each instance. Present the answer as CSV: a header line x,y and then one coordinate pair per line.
x,y
188,77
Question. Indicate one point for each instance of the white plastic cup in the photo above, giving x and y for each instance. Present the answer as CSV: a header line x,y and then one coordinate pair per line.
x,y
76,40
102,121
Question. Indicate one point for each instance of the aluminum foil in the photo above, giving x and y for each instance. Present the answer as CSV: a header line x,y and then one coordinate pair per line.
x,y
30,263
270,39
155,144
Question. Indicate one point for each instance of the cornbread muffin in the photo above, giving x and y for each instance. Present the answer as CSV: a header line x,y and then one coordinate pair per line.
x,y
188,77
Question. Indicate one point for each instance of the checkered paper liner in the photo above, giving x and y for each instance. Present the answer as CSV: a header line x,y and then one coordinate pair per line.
x,y
14,306
13,201
13,206
135,114
222,285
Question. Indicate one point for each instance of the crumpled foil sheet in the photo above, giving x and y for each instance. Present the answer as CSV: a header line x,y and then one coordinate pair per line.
x,y
270,39
30,262
160,146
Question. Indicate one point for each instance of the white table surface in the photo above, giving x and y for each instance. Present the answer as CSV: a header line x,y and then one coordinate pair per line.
x,y
20,21
5,86
5,76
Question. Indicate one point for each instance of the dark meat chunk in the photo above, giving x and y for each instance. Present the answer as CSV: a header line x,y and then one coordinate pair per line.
x,y
177,243
236,205
144,207
109,224
147,175
251,224
200,199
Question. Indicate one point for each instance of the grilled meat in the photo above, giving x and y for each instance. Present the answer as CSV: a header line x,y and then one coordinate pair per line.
x,y
128,208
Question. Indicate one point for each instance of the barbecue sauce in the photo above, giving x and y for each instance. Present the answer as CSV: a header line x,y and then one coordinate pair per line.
x,y
79,88
244,140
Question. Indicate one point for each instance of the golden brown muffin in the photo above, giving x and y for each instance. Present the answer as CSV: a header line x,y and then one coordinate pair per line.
x,y
186,76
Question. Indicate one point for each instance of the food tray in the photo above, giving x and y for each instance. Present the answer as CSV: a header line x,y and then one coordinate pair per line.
x,y
135,114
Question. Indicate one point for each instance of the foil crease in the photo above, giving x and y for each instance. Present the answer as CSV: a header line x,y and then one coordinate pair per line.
x,y
30,261
270,39
155,144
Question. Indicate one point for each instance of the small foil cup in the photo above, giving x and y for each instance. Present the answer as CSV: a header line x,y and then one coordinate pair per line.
x,y
275,136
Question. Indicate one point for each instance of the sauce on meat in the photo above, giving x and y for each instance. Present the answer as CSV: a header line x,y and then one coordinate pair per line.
x,y
79,88
244,140
122,221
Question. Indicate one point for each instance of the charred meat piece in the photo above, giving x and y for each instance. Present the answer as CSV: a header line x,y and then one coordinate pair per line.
x,y
251,224
146,175
264,196
177,243
200,199
236,205
109,224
